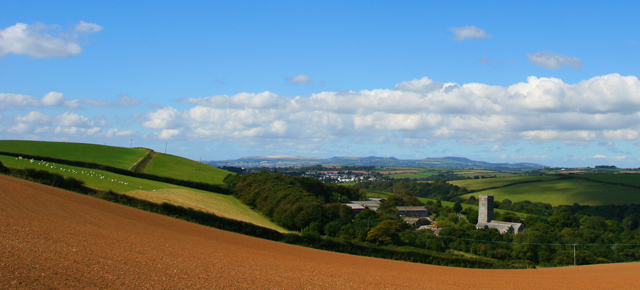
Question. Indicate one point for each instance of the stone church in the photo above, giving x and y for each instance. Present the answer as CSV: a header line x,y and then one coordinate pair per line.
x,y
485,217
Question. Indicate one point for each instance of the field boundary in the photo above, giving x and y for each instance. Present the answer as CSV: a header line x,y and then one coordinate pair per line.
x,y
604,182
142,163
516,183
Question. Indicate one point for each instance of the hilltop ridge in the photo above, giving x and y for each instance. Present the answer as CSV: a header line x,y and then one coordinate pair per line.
x,y
434,162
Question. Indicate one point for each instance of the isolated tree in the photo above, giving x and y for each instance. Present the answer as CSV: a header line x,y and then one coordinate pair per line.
x,y
457,207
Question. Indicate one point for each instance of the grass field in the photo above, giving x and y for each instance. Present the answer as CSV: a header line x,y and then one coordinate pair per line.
x,y
219,204
418,173
411,172
566,191
98,179
484,183
482,172
162,164
184,169
106,155
628,179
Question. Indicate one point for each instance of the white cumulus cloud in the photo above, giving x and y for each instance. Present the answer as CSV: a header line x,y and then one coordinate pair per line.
x,y
53,99
44,41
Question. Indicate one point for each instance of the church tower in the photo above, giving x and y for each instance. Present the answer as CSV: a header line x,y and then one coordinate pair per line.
x,y
485,209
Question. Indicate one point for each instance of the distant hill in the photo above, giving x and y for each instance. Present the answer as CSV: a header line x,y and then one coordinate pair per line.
x,y
440,162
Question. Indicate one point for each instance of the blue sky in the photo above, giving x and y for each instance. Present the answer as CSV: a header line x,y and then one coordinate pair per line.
x,y
546,81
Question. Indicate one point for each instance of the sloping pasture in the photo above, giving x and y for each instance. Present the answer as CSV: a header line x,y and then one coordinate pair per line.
x,y
154,191
485,183
50,238
184,169
118,157
566,192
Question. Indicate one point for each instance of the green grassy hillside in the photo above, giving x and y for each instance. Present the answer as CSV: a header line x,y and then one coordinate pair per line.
x,y
162,164
154,191
485,183
566,191
184,169
118,157
626,179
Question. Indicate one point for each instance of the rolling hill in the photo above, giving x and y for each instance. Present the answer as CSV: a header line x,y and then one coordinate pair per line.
x,y
51,238
590,189
154,191
440,162
155,163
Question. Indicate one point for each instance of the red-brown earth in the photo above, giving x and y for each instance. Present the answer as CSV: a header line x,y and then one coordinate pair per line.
x,y
55,239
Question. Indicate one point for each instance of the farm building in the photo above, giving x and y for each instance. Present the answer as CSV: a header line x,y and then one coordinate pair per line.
x,y
412,211
485,217
372,204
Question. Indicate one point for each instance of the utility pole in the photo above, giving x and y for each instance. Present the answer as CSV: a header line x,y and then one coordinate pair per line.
x,y
574,254
131,144
165,147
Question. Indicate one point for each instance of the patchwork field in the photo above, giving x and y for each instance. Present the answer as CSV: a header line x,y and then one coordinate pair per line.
x,y
419,173
566,191
484,183
626,179
482,172
50,238
161,165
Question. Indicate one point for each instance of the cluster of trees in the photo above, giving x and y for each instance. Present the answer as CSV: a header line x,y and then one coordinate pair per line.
x,y
599,234
291,201
439,189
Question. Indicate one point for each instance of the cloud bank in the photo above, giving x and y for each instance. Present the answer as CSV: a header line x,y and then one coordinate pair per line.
x,y
418,112
412,114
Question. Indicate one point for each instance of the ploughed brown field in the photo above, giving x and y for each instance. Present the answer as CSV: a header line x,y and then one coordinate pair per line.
x,y
51,238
